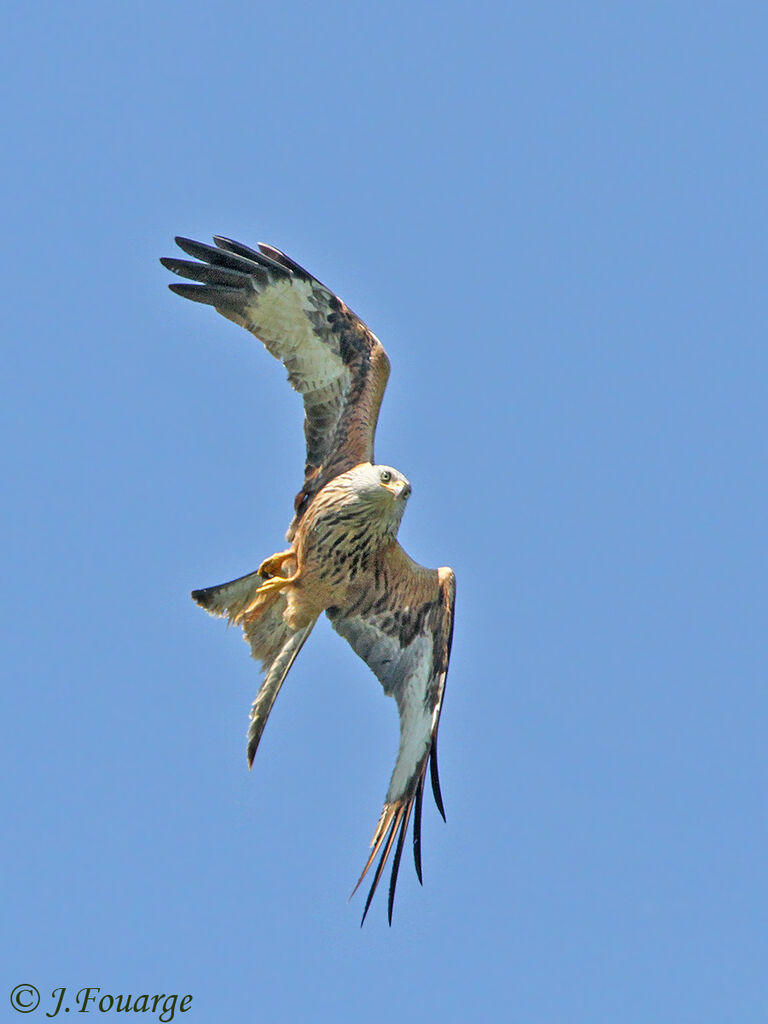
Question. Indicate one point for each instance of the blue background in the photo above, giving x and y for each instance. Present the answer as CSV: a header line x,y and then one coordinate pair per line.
x,y
554,217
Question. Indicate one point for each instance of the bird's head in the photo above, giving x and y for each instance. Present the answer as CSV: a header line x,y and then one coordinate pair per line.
x,y
380,483
381,488
393,482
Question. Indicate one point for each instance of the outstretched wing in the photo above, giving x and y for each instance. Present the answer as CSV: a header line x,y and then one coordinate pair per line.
x,y
401,625
333,360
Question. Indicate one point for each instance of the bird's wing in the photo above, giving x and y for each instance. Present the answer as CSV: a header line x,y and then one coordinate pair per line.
x,y
333,360
401,625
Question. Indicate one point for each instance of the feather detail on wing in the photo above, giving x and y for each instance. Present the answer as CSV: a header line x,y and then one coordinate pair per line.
x,y
401,625
271,640
333,360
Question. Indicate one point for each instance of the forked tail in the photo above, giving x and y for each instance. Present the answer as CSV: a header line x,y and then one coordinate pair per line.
x,y
271,639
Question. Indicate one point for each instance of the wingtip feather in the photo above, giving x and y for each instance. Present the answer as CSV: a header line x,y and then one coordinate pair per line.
x,y
258,256
435,779
417,830
394,821
396,861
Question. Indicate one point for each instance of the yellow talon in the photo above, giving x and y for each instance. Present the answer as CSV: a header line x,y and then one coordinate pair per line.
x,y
274,583
261,597
276,564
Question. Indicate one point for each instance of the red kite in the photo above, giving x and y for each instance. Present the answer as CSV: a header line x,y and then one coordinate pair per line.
x,y
344,558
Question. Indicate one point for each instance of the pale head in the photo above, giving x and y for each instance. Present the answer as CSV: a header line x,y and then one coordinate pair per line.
x,y
370,481
381,489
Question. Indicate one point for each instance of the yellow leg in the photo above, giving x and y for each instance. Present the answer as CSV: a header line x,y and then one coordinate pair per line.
x,y
274,583
274,565
264,596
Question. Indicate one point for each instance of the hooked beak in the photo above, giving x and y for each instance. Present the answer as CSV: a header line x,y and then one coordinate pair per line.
x,y
400,489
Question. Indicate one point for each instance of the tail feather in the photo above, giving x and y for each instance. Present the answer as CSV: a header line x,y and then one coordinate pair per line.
x,y
270,688
230,599
271,639
262,620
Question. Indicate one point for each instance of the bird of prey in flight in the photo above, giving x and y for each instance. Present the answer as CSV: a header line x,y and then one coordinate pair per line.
x,y
343,558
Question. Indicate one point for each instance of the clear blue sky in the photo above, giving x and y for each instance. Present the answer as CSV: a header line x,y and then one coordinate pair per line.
x,y
554,217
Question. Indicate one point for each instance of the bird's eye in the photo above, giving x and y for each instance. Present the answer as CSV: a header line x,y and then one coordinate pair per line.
x,y
386,476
